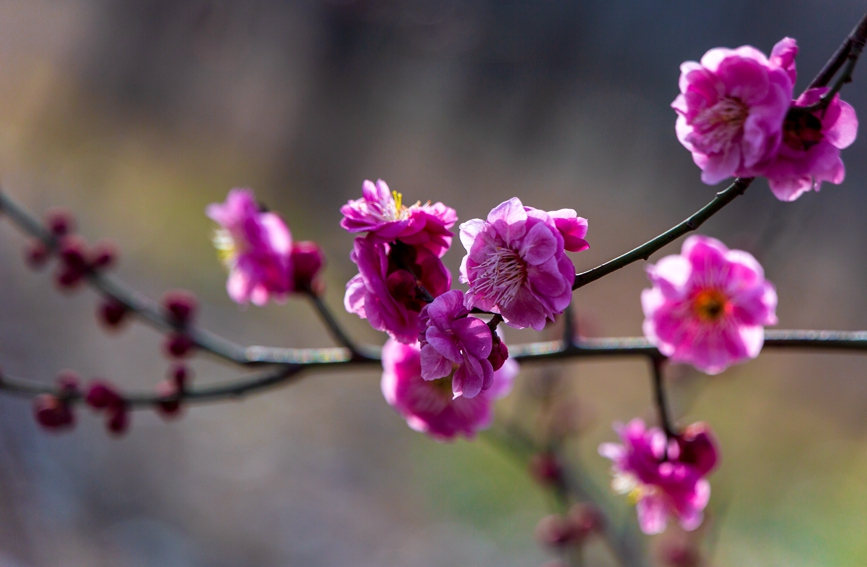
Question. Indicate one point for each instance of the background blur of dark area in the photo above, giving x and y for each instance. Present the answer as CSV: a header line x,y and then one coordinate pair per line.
x,y
138,114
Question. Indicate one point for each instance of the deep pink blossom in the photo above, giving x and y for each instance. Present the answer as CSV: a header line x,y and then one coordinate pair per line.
x,y
810,152
454,343
516,264
387,291
429,406
381,213
708,306
663,478
255,246
731,108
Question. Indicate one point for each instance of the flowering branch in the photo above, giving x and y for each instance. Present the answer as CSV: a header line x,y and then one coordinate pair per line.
x,y
847,53
656,363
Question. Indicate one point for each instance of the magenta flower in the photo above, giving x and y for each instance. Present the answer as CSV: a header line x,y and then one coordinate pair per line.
x,y
453,343
731,108
516,264
254,246
662,478
381,213
810,152
387,291
708,306
428,405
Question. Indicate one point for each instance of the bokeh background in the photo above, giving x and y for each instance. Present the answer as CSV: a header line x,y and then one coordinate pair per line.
x,y
138,114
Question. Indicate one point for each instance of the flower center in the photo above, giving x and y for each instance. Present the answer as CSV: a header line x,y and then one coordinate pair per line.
x,y
628,484
710,305
502,275
802,130
227,247
720,125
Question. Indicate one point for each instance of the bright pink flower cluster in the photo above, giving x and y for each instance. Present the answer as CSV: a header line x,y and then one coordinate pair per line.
x,y
452,343
663,477
398,260
257,249
516,263
737,117
429,406
708,306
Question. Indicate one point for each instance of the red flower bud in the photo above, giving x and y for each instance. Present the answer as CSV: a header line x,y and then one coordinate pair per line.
x,y
178,345
60,222
118,419
179,374
111,312
170,399
36,254
52,413
102,395
68,383
307,261
103,256
499,352
181,306
546,468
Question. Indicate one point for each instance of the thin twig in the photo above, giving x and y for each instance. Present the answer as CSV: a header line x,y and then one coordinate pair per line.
x,y
656,363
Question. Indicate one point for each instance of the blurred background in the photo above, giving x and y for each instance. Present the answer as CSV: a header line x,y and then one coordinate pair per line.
x,y
136,115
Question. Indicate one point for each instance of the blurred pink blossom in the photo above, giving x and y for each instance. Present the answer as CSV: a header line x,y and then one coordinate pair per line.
x,y
731,108
429,406
255,246
382,214
662,477
516,264
452,343
708,305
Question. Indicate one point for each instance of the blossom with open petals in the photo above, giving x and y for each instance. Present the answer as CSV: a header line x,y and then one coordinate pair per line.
x,y
454,343
663,478
516,264
381,213
429,405
255,246
387,290
731,108
708,305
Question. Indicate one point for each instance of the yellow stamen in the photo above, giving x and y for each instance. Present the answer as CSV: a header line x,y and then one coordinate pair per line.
x,y
398,201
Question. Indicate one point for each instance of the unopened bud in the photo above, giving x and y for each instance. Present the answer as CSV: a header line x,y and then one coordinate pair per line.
x,y
546,468
36,254
307,261
52,413
117,421
68,382
178,345
181,306
60,222
169,404
112,312
103,255
499,352
101,395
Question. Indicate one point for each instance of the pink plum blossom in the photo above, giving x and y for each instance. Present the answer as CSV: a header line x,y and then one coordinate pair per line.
x,y
731,108
453,343
516,264
387,290
381,213
708,305
429,405
255,246
810,152
663,478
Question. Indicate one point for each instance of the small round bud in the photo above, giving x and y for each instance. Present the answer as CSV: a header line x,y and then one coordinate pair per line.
x,y
307,261
499,352
103,255
586,519
60,222
111,312
546,468
52,413
179,374
680,555
181,306
169,405
178,345
36,254
101,395
68,382
117,421
556,531
73,250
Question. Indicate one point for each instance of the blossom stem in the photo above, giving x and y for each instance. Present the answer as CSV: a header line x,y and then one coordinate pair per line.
x,y
847,54
334,327
659,395
644,251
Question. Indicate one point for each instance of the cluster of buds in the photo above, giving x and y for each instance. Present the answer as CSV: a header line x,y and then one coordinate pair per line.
x,y
102,396
171,391
54,412
180,308
573,528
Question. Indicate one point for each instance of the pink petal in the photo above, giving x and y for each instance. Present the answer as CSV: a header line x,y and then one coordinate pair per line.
x,y
474,335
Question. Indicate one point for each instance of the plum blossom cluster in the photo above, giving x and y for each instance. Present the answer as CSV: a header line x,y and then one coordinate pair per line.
x,y
736,115
663,477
